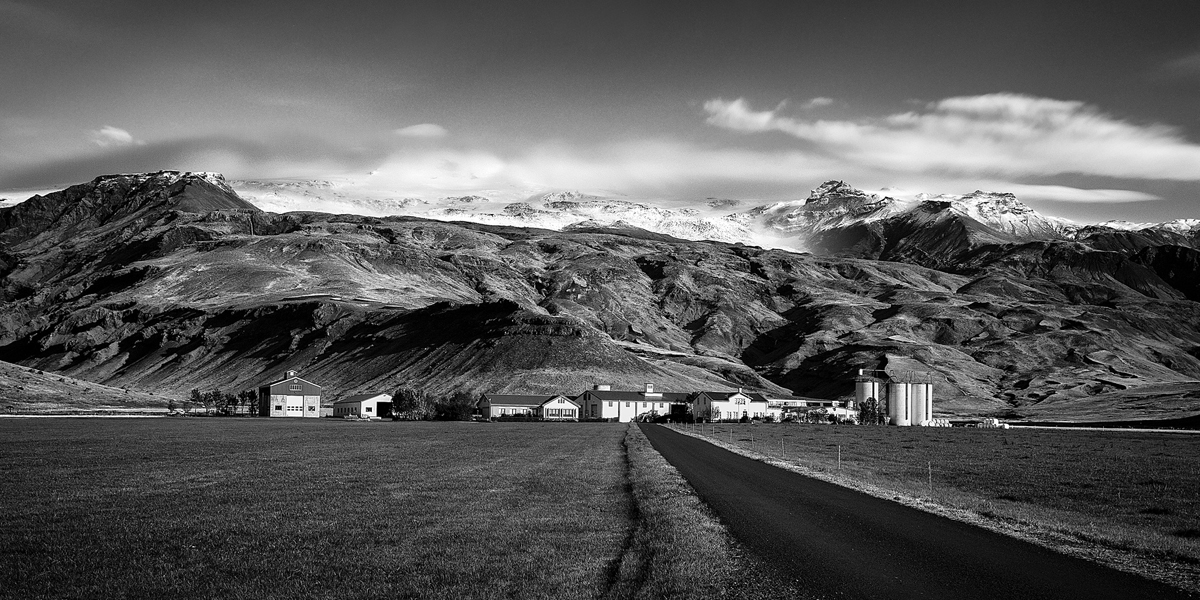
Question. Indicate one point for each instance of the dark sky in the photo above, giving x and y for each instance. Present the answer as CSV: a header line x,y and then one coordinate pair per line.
x,y
1087,110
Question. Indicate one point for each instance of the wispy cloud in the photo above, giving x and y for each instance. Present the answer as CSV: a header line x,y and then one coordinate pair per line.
x,y
1184,67
109,136
648,168
671,170
817,102
423,130
993,134
1062,193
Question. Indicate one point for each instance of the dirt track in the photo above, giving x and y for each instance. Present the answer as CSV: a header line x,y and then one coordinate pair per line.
x,y
839,543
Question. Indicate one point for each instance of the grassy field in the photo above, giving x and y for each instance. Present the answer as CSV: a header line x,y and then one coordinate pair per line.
x,y
1127,498
258,508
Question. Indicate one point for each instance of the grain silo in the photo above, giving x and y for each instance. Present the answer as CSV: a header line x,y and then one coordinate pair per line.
x,y
866,387
899,403
928,399
918,395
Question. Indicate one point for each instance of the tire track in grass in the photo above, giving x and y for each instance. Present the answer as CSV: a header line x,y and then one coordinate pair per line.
x,y
627,573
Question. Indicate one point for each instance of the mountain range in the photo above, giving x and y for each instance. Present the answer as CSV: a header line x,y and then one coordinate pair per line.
x,y
166,281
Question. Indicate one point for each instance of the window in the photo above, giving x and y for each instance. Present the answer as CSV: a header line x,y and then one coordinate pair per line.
x,y
295,387
626,405
610,404
312,409
278,407
644,404
367,409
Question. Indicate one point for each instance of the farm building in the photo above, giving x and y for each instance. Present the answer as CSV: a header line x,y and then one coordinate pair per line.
x,y
732,406
909,396
364,405
604,403
290,397
554,408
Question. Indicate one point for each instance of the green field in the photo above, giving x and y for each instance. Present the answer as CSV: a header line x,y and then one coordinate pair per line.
x,y
258,508
1131,499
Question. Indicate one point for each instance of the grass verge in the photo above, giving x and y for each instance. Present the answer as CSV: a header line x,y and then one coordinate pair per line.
x,y
1125,499
678,547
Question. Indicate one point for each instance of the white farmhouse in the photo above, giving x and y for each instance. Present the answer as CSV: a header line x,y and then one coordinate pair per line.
x,y
602,402
732,406
550,408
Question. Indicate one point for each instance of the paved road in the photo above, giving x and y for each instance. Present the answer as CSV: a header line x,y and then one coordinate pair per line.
x,y
840,543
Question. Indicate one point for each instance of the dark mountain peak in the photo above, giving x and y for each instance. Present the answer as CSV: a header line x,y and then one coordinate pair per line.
x,y
838,191
840,197
112,200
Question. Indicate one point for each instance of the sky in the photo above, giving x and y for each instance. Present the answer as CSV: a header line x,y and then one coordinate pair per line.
x,y
1088,110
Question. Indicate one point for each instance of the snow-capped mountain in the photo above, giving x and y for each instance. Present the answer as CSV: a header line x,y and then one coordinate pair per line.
x,y
832,207
553,210
1004,213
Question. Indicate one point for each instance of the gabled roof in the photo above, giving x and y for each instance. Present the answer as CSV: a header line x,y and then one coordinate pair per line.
x,y
518,399
287,379
723,396
360,397
615,396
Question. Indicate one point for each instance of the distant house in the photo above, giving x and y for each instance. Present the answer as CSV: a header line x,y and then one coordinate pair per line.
x,y
364,405
732,406
290,397
551,408
602,402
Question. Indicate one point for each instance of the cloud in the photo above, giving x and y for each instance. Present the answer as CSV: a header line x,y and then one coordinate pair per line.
x,y
817,102
109,136
262,158
1062,193
423,130
676,172
993,134
1184,66
647,167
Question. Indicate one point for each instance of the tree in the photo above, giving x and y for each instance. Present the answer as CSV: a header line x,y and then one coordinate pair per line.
x,y
456,407
196,397
412,404
871,412
248,397
229,402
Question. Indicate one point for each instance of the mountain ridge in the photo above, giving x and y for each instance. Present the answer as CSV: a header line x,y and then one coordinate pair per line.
x,y
1010,325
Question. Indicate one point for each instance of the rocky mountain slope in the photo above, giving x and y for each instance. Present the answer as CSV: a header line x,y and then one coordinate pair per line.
x,y
169,281
25,390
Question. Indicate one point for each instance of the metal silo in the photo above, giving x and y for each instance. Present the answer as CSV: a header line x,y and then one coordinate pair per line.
x,y
928,400
917,396
866,387
899,403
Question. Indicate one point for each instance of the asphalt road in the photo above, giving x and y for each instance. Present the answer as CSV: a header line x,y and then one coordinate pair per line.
x,y
839,543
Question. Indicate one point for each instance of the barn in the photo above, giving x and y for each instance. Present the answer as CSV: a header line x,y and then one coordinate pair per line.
x,y
364,405
291,396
